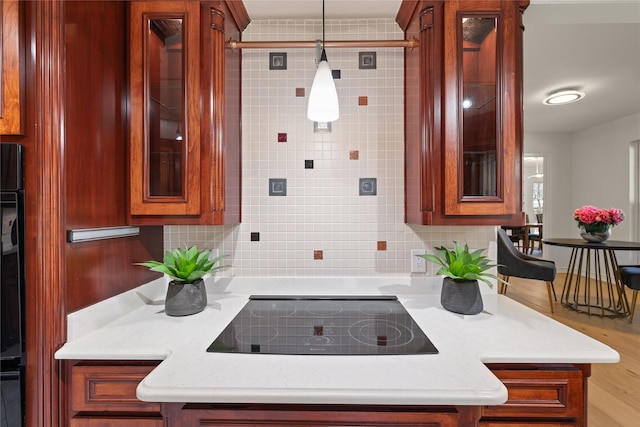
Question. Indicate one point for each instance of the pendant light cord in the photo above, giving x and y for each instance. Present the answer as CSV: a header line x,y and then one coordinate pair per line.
x,y
322,24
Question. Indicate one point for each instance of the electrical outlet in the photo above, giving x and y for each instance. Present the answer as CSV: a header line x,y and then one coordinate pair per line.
x,y
418,264
214,253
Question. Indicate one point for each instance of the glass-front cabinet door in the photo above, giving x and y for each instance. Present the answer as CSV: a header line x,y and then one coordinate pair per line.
x,y
164,102
463,121
165,130
185,96
478,100
482,98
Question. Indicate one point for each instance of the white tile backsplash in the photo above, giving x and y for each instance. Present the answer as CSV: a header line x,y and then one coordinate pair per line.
x,y
322,209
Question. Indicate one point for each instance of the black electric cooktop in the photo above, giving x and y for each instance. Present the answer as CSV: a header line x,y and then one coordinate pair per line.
x,y
331,325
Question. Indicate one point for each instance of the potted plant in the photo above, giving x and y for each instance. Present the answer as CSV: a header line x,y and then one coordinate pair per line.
x,y
595,223
186,293
462,270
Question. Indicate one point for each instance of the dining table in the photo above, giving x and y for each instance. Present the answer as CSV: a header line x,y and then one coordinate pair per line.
x,y
592,284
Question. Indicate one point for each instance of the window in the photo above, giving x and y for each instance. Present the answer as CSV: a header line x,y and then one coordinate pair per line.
x,y
537,196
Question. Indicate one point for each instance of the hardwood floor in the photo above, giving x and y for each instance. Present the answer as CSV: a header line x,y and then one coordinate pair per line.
x,y
614,389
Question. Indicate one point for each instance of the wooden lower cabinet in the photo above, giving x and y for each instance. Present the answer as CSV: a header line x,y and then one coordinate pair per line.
x,y
540,395
103,394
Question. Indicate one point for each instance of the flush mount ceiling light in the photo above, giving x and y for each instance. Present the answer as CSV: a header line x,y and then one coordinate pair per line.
x,y
563,97
323,99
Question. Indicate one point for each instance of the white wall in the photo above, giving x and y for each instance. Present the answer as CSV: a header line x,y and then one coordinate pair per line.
x,y
603,176
556,149
587,167
322,210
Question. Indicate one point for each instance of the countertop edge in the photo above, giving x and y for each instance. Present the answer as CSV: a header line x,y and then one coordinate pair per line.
x,y
467,343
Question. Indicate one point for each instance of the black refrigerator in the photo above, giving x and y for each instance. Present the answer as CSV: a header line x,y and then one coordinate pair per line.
x,y
12,291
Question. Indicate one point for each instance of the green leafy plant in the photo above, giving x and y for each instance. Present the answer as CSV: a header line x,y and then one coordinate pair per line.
x,y
461,265
185,265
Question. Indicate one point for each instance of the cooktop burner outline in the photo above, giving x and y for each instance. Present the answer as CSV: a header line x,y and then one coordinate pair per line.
x,y
400,334
323,324
278,309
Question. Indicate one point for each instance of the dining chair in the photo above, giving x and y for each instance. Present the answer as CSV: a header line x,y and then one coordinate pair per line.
x,y
534,234
630,276
516,235
513,263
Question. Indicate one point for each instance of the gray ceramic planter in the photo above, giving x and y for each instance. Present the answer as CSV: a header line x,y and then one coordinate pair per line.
x,y
184,299
461,297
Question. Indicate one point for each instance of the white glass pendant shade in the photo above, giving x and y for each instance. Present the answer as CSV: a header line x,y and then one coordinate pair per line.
x,y
323,99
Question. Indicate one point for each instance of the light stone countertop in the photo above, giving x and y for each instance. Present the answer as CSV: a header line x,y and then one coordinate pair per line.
x,y
133,326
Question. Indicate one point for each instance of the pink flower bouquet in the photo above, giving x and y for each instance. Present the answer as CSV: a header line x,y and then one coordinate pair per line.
x,y
596,220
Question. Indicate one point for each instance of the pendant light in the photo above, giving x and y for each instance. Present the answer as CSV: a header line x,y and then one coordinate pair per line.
x,y
323,99
538,174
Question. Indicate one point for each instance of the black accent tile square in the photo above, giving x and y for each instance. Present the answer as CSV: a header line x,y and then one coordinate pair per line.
x,y
277,186
367,60
336,74
277,60
308,164
255,237
368,186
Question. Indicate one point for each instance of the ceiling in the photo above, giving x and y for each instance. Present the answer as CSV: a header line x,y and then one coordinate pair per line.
x,y
589,45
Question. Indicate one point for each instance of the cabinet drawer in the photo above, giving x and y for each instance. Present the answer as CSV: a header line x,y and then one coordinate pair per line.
x,y
108,388
280,415
115,422
541,394
526,424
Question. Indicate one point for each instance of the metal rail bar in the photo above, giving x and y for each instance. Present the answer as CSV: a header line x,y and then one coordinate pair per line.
x,y
235,44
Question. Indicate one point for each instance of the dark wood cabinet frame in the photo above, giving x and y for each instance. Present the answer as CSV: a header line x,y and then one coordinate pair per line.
x,y
434,191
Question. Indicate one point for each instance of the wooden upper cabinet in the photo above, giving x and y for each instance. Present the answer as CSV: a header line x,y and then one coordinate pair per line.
x,y
463,125
185,112
11,69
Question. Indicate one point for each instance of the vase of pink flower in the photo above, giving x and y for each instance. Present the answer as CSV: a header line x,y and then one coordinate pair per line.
x,y
595,223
